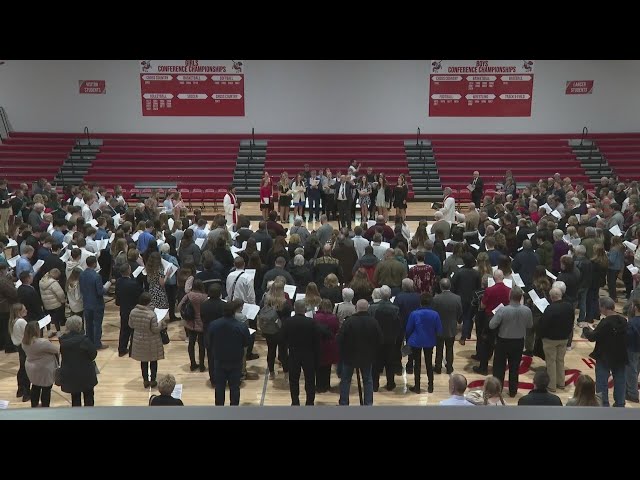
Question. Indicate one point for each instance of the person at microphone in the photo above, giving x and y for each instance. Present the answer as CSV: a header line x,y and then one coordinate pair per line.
x,y
476,187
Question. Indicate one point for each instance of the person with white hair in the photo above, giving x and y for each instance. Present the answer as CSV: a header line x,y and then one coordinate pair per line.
x,y
77,367
359,340
166,386
555,328
511,323
441,225
346,308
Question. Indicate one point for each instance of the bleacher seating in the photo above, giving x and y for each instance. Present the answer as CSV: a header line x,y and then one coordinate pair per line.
x,y
27,157
622,152
528,157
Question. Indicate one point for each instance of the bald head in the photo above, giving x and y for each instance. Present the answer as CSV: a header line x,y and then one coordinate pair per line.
x,y
362,305
498,276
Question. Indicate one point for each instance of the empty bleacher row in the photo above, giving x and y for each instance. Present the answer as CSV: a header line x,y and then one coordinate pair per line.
x,y
528,157
622,154
24,158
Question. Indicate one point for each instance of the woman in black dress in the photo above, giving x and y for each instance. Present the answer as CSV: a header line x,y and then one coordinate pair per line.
x,y
400,194
284,197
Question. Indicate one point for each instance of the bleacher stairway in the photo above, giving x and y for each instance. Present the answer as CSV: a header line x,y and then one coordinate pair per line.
x,y
593,161
78,163
249,168
423,171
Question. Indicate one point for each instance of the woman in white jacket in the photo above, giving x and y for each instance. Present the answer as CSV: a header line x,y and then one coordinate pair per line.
x,y
74,295
53,298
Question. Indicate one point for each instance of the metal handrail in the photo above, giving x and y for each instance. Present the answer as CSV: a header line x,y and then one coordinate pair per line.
x,y
5,124
253,136
86,131
418,137
585,132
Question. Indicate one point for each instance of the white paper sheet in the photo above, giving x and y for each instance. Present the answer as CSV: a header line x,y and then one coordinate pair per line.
x,y
508,282
251,331
18,283
93,222
250,272
116,220
370,223
250,310
44,321
4,404
615,231
546,207
448,254
556,214
446,241
112,238
533,295
138,271
161,313
517,279
529,235
169,269
177,391
300,296
12,261
541,304
38,265
385,244
630,246
476,246
135,236
199,242
497,308
170,223
66,256
309,314
291,290
551,275
107,285
490,282
12,243
392,299
632,269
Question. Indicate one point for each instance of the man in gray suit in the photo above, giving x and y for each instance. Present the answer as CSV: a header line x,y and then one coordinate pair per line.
x,y
325,231
449,307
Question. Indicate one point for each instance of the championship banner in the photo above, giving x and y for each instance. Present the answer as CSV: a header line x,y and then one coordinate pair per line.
x,y
579,87
480,88
192,88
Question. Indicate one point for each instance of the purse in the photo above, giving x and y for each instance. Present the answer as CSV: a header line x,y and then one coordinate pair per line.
x,y
57,376
164,336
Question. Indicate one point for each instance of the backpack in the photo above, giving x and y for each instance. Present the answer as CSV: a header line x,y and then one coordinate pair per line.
x,y
269,320
187,312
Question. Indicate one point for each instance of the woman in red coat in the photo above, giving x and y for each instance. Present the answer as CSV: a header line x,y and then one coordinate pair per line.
x,y
328,323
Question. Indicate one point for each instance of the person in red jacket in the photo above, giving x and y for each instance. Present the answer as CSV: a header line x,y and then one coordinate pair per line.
x,y
329,327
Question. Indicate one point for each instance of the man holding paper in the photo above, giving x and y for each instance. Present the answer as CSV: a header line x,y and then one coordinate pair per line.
x,y
128,291
476,187
93,298
511,322
555,328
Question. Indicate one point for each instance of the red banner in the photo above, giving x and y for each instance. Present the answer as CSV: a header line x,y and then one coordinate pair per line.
x,y
92,87
192,88
480,88
579,87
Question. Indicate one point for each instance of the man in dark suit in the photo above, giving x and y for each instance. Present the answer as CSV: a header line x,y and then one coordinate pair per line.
x,y
525,263
128,291
228,338
93,298
210,311
449,306
540,395
8,296
478,189
53,261
344,197
302,336
28,296
266,242
388,317
359,340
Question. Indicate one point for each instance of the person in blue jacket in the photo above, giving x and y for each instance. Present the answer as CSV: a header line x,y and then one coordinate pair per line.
x,y
423,327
